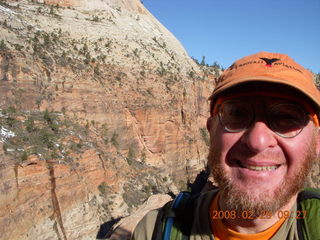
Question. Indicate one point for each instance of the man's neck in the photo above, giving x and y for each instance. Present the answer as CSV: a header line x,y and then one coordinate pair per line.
x,y
256,225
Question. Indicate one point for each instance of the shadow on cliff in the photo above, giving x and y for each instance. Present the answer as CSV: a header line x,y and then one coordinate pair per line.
x,y
200,184
120,234
106,230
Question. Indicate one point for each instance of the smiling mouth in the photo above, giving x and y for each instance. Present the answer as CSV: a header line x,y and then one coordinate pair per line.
x,y
258,168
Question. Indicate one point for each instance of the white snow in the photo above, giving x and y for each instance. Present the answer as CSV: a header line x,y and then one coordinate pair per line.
x,y
7,10
5,134
13,15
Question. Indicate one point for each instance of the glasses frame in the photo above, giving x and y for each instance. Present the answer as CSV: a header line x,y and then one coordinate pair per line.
x,y
268,118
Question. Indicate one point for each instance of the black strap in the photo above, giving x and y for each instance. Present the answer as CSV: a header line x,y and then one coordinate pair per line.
x,y
299,223
307,194
183,215
304,195
158,229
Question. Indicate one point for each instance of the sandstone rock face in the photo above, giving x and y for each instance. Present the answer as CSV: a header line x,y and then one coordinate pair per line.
x,y
101,107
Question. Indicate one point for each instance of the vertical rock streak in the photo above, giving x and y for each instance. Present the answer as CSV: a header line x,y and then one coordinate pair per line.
x,y
55,203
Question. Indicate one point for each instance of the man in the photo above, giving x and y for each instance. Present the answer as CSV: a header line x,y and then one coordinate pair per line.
x,y
264,132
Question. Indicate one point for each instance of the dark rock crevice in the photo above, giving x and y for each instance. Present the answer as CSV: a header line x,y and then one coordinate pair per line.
x,y
55,203
16,175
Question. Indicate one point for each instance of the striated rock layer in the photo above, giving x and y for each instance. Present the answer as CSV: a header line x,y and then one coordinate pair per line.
x,y
101,107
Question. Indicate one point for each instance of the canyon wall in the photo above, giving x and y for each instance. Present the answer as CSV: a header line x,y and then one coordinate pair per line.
x,y
101,107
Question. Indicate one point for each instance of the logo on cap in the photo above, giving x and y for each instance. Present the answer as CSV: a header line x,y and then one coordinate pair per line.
x,y
270,61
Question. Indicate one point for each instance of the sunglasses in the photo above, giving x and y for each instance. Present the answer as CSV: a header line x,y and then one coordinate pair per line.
x,y
285,119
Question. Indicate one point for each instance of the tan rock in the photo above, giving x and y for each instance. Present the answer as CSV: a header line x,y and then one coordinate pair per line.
x,y
125,226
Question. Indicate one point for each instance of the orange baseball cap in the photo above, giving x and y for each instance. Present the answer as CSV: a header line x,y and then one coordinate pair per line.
x,y
272,68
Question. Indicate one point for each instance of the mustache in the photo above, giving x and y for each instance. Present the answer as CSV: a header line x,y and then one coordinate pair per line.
x,y
242,154
238,150
267,156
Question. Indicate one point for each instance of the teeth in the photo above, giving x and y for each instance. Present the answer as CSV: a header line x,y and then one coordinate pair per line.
x,y
264,168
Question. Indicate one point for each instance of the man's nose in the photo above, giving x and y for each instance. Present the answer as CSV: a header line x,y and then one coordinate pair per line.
x,y
259,137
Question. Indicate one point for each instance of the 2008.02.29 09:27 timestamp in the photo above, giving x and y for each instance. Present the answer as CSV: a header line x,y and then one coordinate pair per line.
x,y
298,214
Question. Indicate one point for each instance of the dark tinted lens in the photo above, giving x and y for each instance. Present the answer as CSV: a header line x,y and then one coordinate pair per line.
x,y
287,119
235,115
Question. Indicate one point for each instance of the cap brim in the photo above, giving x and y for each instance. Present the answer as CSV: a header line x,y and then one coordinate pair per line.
x,y
262,79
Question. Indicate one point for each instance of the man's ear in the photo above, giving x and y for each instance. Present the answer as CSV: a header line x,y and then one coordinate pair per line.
x,y
209,123
318,141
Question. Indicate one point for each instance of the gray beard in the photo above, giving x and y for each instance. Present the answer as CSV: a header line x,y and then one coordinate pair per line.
x,y
268,202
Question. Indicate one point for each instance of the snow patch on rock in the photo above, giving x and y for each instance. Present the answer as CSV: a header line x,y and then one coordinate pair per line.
x,y
5,134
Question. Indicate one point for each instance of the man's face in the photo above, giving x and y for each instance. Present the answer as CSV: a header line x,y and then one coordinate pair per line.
x,y
256,169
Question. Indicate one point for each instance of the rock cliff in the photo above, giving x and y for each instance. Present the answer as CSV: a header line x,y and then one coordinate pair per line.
x,y
101,107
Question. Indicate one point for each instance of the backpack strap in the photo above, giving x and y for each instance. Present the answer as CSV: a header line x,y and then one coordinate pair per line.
x,y
308,226
173,224
174,221
158,229
185,215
